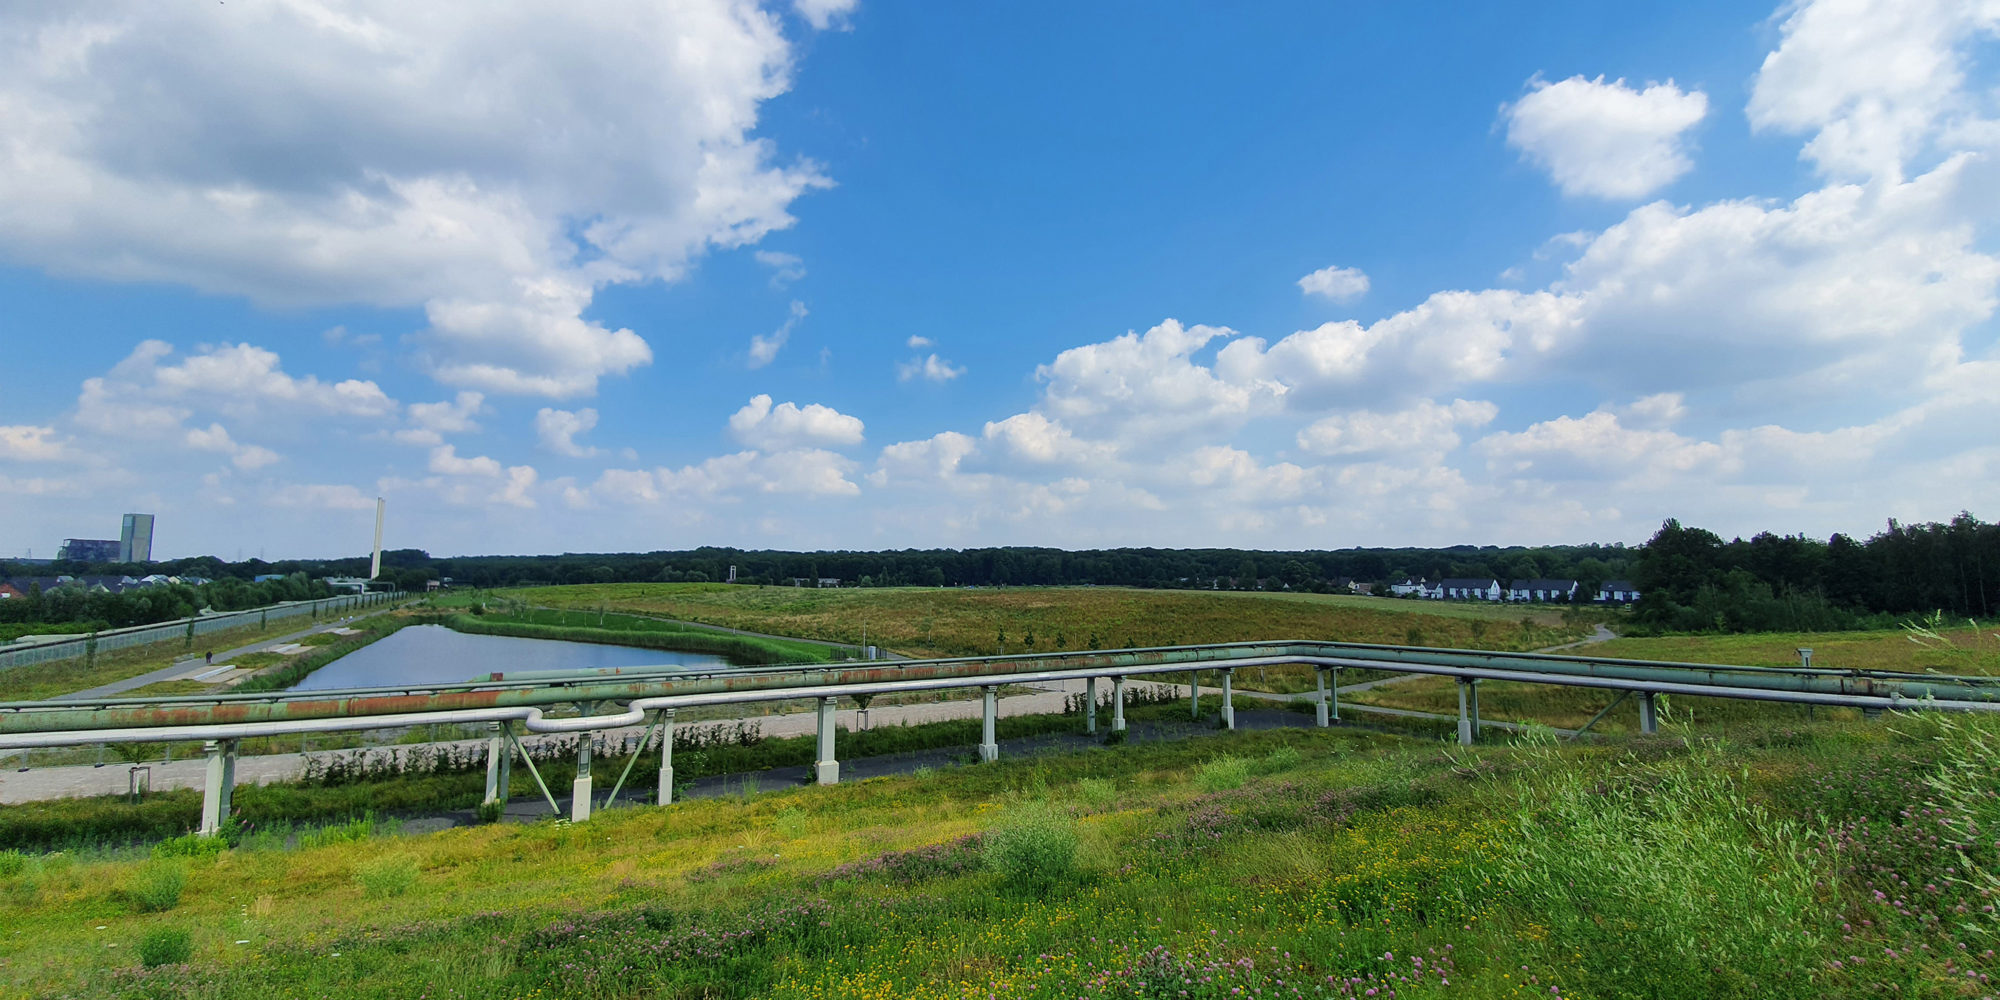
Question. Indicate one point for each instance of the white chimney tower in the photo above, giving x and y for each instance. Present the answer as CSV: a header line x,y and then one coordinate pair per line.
x,y
375,567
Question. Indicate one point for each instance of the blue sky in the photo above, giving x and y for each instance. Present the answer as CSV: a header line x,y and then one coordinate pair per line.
x,y
830,274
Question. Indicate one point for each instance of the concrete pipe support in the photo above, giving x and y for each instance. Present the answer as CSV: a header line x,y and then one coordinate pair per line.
x,y
216,791
499,764
827,771
1649,719
989,748
1090,706
579,805
666,756
1228,706
1118,704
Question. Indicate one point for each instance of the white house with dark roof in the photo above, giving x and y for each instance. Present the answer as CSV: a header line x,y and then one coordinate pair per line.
x,y
1543,591
1462,589
1617,592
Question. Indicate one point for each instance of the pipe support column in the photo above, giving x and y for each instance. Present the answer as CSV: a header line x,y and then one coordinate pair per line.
x,y
1228,706
1090,706
499,761
1321,715
989,748
216,791
1464,719
579,805
1649,720
1117,704
827,771
666,756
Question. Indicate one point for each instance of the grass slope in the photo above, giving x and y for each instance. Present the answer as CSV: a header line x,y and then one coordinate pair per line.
x,y
649,633
1286,863
937,622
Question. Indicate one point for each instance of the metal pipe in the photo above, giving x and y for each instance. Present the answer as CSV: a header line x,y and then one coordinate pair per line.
x,y
534,721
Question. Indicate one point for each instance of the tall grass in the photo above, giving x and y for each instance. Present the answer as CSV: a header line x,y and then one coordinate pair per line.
x,y
1664,880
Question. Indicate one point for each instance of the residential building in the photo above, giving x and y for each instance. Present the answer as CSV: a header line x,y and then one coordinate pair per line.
x,y
1406,586
1461,589
1618,592
1543,591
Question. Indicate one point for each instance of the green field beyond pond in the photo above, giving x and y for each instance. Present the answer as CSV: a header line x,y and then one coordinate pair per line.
x,y
986,622
635,630
1772,863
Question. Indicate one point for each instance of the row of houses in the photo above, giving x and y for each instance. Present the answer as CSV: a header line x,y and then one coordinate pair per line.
x,y
1518,591
20,586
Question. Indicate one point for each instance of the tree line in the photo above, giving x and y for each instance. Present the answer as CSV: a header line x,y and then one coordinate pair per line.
x,y
1693,581
67,605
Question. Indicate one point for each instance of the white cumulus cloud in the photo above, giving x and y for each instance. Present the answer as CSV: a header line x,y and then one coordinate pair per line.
x,y
558,429
370,153
1606,140
1340,284
759,424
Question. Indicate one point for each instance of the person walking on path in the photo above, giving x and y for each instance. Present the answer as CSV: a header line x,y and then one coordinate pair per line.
x,y
209,657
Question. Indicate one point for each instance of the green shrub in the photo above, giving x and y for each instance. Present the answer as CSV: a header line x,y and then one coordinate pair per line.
x,y
490,812
1115,737
1222,774
386,877
156,887
351,832
165,946
1098,792
12,863
189,845
1034,852
1282,759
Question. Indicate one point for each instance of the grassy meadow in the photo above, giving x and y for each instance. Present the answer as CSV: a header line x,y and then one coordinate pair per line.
x,y
924,622
1278,864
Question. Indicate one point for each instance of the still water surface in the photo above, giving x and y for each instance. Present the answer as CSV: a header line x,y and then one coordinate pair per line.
x,y
433,654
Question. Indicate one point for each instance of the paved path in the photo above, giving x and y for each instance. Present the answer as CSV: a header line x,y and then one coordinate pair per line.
x,y
183,669
1601,635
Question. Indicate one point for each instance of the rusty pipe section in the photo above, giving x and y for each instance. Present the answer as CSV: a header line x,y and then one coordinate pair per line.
x,y
28,717
634,714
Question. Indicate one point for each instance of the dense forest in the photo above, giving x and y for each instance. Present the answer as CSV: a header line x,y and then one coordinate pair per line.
x,y
1692,579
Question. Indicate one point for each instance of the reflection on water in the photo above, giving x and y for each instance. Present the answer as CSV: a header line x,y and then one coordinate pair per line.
x,y
433,654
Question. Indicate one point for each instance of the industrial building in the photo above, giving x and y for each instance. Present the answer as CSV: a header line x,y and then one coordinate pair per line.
x,y
135,539
134,544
